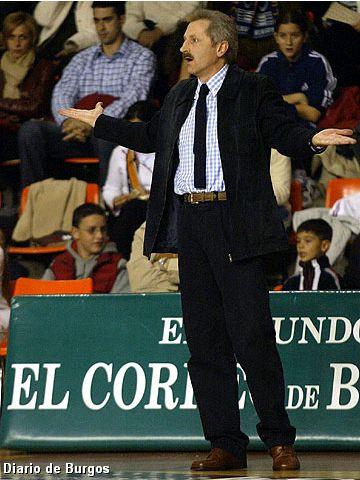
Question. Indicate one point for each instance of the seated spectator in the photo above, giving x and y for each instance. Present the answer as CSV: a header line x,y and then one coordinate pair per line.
x,y
4,289
90,254
313,239
25,81
118,72
255,23
340,41
303,76
66,29
150,24
159,274
125,195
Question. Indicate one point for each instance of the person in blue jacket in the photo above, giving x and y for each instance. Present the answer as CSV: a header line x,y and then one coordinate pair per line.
x,y
302,75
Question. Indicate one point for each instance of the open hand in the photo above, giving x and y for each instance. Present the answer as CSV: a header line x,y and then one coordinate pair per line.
x,y
333,136
86,116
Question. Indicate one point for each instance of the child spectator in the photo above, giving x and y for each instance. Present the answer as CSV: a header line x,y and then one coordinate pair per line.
x,y
305,80
313,238
126,196
303,76
90,254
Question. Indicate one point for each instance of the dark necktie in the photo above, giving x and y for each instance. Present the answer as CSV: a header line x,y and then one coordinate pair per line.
x,y
200,139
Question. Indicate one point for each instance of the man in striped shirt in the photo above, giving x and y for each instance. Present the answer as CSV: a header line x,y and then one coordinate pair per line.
x,y
212,202
118,71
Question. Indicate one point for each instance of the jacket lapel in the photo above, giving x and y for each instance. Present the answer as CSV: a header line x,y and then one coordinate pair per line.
x,y
183,107
226,100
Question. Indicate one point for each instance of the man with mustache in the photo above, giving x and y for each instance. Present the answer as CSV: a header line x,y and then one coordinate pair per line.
x,y
212,202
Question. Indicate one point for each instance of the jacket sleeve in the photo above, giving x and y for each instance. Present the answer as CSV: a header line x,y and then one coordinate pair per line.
x,y
36,103
140,137
121,284
134,22
329,281
86,35
291,284
277,128
280,172
321,85
48,274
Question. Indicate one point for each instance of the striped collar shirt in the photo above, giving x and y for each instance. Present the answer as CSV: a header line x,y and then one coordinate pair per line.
x,y
126,75
184,177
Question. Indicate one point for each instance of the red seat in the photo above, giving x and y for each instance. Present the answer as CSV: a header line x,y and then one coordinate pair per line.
x,y
82,161
339,188
32,286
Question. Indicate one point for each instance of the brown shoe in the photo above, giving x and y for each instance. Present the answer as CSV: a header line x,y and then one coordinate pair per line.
x,y
284,458
219,459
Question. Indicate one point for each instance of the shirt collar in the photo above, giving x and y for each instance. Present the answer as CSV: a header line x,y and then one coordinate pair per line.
x,y
215,81
122,51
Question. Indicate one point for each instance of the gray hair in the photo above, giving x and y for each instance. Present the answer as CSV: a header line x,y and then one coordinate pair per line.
x,y
221,28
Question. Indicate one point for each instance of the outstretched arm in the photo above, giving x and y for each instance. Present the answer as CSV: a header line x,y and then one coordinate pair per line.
x,y
140,137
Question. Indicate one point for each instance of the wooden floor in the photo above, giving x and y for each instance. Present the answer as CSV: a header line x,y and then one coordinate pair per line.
x,y
167,466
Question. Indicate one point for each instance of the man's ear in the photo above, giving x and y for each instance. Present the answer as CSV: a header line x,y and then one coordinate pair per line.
x,y
325,245
122,19
222,48
75,233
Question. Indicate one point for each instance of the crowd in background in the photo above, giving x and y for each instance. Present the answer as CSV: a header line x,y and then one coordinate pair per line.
x,y
126,54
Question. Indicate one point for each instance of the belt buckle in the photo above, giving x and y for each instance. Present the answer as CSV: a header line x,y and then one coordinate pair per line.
x,y
192,198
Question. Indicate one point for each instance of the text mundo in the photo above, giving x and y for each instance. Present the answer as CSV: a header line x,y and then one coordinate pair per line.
x,y
53,469
41,387
300,330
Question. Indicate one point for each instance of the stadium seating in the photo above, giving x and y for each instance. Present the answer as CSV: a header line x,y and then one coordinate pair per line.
x,y
339,188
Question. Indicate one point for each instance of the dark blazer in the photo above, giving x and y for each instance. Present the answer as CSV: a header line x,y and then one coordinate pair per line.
x,y
251,119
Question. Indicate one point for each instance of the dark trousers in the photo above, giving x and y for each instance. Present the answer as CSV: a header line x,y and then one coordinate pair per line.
x,y
42,152
227,319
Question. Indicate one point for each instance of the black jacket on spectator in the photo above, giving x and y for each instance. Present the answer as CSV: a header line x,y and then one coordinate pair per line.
x,y
352,272
316,274
251,119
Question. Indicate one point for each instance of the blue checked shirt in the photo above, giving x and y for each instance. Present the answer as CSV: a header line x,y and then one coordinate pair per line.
x,y
127,74
184,177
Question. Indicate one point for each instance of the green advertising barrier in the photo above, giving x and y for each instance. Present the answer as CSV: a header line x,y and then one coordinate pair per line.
x,y
108,372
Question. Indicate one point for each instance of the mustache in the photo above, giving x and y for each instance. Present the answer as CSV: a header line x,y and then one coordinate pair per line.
x,y
187,55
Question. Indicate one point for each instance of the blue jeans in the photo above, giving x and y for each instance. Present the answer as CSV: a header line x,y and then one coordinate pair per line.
x,y
42,152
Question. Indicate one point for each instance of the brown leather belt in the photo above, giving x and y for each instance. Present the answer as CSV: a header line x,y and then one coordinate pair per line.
x,y
200,197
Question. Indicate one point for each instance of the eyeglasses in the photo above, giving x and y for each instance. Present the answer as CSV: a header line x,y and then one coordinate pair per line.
x,y
94,230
